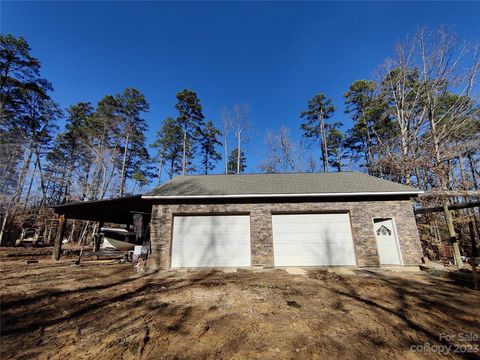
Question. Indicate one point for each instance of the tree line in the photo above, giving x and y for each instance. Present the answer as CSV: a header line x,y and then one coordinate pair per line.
x,y
102,149
187,137
416,122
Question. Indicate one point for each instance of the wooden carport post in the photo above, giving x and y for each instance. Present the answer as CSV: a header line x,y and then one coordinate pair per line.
x,y
59,237
474,258
453,236
97,237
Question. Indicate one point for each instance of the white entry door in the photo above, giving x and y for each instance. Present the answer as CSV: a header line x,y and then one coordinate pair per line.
x,y
211,241
387,243
312,240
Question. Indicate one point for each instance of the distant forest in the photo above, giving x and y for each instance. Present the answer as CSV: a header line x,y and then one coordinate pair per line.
x,y
417,123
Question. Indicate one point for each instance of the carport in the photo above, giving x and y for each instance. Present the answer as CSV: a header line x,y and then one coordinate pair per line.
x,y
116,210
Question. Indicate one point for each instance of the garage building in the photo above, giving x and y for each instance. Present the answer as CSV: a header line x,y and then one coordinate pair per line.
x,y
282,220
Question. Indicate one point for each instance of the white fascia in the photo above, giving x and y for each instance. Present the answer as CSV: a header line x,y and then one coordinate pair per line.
x,y
239,196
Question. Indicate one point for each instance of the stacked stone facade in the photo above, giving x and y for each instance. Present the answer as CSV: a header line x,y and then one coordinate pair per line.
x,y
361,213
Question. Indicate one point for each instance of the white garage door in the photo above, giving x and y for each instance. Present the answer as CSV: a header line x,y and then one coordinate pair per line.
x,y
211,241
312,240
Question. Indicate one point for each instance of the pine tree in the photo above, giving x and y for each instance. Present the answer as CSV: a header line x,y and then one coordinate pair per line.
x,y
190,119
335,144
169,145
208,138
20,86
69,150
233,162
358,101
102,135
319,109
371,124
35,123
27,118
19,71
131,103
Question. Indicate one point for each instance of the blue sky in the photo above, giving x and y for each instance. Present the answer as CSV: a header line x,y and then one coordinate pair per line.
x,y
274,56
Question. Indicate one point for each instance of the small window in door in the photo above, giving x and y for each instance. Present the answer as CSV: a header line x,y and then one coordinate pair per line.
x,y
383,230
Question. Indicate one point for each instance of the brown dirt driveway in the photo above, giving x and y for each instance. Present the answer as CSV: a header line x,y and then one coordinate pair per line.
x,y
103,310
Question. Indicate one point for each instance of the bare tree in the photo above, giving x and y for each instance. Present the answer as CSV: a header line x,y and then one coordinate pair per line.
x,y
311,165
448,72
227,125
240,125
399,86
283,154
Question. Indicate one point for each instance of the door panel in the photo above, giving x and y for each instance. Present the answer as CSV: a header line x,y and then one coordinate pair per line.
x,y
387,244
312,240
211,241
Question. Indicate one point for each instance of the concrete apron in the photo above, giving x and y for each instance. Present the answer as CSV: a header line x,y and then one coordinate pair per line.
x,y
304,270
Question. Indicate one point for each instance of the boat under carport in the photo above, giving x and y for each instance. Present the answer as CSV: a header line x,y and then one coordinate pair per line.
x,y
118,210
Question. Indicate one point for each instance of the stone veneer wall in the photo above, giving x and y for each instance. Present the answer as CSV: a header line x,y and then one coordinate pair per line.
x,y
361,215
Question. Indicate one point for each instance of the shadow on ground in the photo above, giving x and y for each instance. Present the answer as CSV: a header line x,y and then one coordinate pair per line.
x,y
107,311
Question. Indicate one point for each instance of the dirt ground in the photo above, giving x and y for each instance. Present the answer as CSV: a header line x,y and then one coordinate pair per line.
x,y
104,310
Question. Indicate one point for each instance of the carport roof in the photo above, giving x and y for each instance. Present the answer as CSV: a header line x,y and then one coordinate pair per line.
x,y
117,210
278,185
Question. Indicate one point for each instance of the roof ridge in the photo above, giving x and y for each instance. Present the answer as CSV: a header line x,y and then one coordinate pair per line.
x,y
289,173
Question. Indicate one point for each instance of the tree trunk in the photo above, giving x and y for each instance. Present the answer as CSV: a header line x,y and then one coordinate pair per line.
x,y
42,182
474,255
84,232
160,170
463,176
97,238
453,236
435,230
66,194
49,235
239,153
107,181
23,175
58,238
417,175
184,158
405,150
225,149
30,187
327,165
72,232
472,170
206,162
323,144
369,150
122,179
473,242
172,168
4,224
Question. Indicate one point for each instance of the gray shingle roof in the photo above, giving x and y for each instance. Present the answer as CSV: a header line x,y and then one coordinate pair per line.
x,y
251,185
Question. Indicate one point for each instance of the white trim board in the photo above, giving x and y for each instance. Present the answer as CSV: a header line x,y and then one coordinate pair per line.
x,y
236,196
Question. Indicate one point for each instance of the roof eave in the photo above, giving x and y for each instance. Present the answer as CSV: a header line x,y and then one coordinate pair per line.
x,y
99,201
244,196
